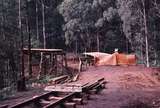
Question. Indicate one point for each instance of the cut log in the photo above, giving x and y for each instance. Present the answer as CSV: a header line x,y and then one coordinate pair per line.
x,y
58,80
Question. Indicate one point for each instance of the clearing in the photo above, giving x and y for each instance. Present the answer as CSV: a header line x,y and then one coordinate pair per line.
x,y
127,87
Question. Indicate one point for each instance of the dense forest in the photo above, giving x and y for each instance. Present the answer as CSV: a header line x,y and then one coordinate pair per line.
x,y
132,26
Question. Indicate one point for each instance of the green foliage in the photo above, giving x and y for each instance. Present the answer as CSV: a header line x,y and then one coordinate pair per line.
x,y
84,20
131,13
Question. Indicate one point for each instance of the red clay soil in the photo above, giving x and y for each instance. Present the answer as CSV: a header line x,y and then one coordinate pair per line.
x,y
127,87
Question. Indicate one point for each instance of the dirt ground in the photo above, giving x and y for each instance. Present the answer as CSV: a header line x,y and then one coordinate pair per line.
x,y
127,87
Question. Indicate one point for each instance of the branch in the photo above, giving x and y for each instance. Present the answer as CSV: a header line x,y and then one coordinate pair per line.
x,y
156,6
42,1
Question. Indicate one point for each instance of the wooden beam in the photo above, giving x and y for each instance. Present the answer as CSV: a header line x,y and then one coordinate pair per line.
x,y
30,64
55,98
58,102
56,64
45,51
70,105
34,99
58,80
65,60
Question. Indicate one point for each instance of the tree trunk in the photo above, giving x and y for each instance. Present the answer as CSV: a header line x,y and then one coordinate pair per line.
x,y
146,33
88,41
76,46
2,20
43,23
155,50
37,22
44,37
21,84
155,55
29,41
98,45
22,42
127,46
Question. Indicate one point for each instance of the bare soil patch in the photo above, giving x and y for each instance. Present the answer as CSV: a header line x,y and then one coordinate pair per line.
x,y
127,87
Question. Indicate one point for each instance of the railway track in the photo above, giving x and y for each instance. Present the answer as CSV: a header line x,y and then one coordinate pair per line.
x,y
54,99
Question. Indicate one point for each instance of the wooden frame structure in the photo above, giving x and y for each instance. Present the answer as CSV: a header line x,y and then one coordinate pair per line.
x,y
53,53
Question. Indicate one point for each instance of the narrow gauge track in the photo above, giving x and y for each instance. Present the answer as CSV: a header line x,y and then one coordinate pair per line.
x,y
53,99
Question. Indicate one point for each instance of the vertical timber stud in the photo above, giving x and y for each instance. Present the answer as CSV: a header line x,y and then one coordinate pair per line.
x,y
56,64
45,65
65,60
30,61
50,58
62,63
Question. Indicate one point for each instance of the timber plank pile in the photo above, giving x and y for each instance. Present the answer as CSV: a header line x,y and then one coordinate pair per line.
x,y
58,80
54,99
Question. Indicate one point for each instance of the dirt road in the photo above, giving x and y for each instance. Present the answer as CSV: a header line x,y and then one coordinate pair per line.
x,y
127,87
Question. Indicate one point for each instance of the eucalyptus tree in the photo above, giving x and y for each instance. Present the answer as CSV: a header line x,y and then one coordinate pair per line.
x,y
139,25
86,19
